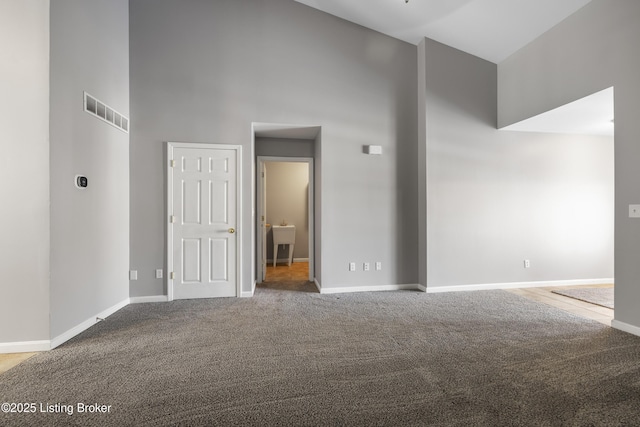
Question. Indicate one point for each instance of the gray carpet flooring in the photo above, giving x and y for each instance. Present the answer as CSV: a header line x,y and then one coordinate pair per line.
x,y
487,358
597,296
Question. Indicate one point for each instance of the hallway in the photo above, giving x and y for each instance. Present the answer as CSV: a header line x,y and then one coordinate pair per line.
x,y
293,278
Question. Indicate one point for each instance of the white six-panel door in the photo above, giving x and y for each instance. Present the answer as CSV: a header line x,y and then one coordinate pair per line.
x,y
203,221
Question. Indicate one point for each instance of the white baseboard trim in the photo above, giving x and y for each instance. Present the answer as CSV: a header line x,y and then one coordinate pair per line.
x,y
315,282
348,289
514,285
152,298
249,294
301,260
66,336
635,330
24,346
422,288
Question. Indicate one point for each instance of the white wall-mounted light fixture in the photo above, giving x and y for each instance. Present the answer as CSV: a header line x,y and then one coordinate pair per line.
x,y
373,149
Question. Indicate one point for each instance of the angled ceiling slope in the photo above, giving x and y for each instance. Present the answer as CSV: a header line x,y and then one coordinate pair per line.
x,y
489,29
591,115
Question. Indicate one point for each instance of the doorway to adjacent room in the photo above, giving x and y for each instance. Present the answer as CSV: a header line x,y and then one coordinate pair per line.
x,y
287,173
285,216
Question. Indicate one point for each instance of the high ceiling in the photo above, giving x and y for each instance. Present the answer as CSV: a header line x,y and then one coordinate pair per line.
x,y
489,29
591,115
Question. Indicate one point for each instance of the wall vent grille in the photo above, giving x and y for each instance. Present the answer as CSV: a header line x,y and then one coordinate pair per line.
x,y
105,113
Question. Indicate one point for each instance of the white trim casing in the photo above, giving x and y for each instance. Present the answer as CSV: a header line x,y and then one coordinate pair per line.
x,y
252,232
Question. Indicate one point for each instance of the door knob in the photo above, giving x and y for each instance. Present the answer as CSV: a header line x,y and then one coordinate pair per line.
x,y
232,230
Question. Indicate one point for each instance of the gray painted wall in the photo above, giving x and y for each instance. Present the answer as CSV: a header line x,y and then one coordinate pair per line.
x,y
24,170
89,228
287,199
593,49
204,71
495,198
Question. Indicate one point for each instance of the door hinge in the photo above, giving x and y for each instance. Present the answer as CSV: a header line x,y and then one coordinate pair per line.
x,y
172,219
172,163
172,275
263,218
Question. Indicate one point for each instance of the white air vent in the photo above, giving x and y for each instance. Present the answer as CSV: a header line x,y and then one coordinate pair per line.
x,y
102,111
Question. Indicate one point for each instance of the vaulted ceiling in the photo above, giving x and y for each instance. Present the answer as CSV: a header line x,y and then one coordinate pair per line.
x,y
489,29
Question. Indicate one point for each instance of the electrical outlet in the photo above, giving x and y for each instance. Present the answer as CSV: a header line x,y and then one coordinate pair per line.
x,y
159,273
527,263
366,266
352,266
378,266
133,275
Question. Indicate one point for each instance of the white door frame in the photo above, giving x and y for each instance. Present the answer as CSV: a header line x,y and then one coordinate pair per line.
x,y
169,209
261,161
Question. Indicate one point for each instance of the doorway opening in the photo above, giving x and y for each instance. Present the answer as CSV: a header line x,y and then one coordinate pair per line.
x,y
589,117
287,206
285,212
